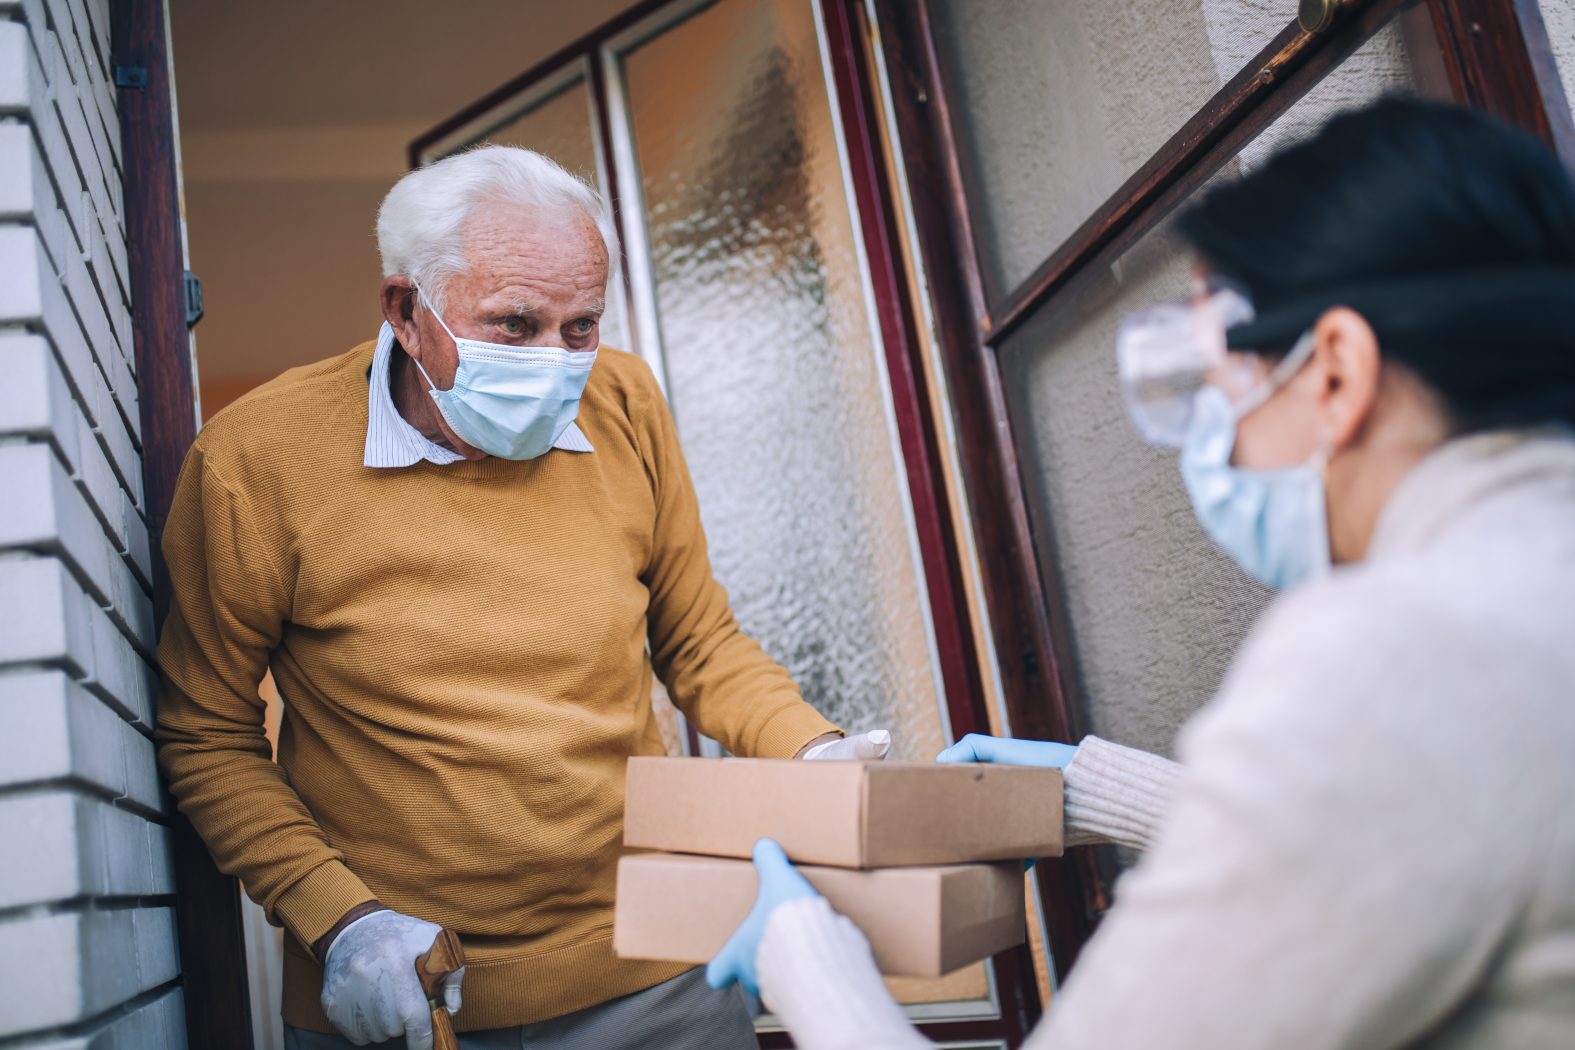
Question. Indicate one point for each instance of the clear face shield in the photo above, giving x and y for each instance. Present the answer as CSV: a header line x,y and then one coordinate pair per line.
x,y
1166,354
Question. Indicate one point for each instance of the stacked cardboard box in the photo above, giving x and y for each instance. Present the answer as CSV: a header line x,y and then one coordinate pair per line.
x,y
925,858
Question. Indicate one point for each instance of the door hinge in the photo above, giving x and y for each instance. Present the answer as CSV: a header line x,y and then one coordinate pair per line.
x,y
131,76
193,299
1031,664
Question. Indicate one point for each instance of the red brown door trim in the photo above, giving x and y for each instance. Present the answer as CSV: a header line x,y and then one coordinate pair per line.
x,y
877,218
207,903
1498,58
1019,609
855,83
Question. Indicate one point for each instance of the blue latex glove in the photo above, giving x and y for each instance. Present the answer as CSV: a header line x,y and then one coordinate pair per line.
x,y
975,747
780,882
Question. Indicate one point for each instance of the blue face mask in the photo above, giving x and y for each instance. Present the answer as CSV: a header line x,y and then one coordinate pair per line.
x,y
512,402
1272,523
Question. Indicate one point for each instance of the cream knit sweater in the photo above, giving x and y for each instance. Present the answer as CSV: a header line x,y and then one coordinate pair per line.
x,y
1370,842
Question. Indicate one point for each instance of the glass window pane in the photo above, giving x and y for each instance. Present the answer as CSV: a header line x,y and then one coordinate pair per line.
x,y
773,368
1057,104
1155,612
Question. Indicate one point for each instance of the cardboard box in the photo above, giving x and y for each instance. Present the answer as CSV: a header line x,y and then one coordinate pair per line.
x,y
847,814
921,922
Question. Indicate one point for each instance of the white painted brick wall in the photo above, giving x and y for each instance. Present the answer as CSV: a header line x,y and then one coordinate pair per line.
x,y
158,1023
87,923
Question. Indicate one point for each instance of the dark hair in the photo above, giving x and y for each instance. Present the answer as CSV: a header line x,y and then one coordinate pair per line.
x,y
1452,233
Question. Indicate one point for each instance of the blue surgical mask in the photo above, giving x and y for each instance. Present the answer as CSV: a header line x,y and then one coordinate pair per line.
x,y
512,402
1273,523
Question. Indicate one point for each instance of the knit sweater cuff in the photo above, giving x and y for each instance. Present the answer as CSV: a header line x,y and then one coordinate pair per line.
x,y
1117,794
818,976
312,906
786,732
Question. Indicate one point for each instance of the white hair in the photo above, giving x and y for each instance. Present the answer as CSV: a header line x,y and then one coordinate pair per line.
x,y
420,224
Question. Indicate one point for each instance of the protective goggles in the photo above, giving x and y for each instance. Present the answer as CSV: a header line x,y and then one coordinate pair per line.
x,y
1167,353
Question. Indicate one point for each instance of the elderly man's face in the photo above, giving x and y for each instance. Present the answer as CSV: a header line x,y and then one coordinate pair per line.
x,y
531,281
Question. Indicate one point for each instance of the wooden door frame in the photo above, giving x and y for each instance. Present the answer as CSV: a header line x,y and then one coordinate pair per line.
x,y
215,989
1497,57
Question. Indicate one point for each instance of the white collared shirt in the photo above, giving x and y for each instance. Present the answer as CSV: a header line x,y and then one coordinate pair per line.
x,y
390,439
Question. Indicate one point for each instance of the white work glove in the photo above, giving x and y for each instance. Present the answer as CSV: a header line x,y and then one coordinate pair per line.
x,y
370,989
862,748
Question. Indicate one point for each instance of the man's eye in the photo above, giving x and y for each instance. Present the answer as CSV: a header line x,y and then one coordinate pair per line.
x,y
512,325
584,325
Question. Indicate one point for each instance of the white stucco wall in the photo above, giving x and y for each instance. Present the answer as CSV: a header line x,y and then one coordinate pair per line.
x,y
1056,105
87,926
1559,18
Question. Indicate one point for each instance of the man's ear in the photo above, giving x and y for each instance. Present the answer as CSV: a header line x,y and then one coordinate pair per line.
x,y
398,299
1346,359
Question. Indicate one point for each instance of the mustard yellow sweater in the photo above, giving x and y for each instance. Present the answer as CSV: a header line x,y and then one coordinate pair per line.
x,y
465,654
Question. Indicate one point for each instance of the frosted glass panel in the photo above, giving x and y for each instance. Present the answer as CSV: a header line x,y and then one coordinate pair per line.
x,y
772,367
1058,103
560,127
1155,611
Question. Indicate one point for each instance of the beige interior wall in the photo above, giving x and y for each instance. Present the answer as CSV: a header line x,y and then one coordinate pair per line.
x,y
295,118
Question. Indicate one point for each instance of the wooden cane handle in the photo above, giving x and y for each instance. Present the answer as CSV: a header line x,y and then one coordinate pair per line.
x,y
443,1037
444,957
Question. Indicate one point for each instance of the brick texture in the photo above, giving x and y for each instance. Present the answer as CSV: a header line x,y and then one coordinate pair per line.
x,y
86,897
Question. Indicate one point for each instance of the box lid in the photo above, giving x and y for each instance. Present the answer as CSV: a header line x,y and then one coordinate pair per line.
x,y
850,814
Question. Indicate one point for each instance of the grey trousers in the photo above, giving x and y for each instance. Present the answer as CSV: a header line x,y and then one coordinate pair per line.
x,y
684,1013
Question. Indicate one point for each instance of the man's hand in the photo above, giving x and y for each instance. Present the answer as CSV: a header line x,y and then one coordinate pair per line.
x,y
975,747
370,989
780,882
864,747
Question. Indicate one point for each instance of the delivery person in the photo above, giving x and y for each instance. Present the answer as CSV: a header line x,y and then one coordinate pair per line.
x,y
1369,842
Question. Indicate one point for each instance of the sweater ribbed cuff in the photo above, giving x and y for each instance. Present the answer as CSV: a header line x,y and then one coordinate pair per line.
x,y
313,905
348,919
818,976
1116,794
786,732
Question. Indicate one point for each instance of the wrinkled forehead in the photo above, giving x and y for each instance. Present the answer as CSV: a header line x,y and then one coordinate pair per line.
x,y
514,237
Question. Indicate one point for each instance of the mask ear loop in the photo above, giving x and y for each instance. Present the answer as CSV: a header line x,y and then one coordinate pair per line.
x,y
431,386
1282,373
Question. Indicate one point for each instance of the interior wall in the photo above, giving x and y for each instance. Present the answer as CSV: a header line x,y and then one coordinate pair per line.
x,y
295,117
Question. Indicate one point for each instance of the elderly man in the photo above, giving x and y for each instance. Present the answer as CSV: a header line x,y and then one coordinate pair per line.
x,y
463,550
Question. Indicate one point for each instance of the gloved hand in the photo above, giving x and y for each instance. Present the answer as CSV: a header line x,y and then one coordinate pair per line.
x,y
976,747
780,882
863,747
370,989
